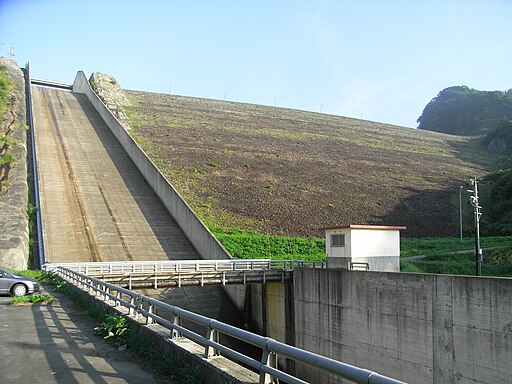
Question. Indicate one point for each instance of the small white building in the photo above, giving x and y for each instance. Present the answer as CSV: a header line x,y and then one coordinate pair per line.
x,y
368,247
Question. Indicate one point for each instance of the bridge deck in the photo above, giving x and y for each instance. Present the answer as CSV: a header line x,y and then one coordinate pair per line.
x,y
96,205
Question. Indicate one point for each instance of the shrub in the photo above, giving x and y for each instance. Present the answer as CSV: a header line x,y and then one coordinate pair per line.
x,y
501,256
113,329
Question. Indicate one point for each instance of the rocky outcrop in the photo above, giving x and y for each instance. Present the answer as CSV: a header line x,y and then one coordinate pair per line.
x,y
14,238
111,93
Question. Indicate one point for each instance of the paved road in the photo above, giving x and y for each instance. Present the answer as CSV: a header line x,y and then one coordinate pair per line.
x,y
96,204
55,343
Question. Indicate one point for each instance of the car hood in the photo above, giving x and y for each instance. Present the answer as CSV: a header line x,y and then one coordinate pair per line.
x,y
24,278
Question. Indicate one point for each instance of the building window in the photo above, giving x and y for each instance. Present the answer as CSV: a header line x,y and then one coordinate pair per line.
x,y
338,240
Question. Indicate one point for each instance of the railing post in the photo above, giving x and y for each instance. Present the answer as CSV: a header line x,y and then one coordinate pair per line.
x,y
138,306
149,319
212,335
269,359
131,311
176,321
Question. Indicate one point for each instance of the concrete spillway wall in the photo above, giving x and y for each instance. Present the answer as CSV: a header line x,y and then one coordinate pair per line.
x,y
414,327
199,235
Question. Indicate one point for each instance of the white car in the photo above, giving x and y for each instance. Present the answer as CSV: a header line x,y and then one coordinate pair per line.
x,y
12,284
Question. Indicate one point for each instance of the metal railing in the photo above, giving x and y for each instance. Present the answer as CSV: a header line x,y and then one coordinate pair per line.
x,y
177,266
138,305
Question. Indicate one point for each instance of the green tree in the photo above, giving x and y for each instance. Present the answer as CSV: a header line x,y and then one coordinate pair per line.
x,y
461,110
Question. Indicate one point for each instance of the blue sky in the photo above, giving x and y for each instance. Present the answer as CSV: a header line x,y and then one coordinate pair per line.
x,y
379,60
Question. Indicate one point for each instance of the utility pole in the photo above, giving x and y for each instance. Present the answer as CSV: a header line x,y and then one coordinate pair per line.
x,y
460,212
473,200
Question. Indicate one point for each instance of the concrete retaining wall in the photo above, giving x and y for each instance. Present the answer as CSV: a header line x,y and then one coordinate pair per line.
x,y
198,234
414,327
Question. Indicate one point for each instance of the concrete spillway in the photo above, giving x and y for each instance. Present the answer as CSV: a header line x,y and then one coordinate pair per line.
x,y
98,207
96,204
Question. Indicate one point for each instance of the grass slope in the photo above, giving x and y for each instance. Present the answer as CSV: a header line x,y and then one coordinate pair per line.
x,y
289,172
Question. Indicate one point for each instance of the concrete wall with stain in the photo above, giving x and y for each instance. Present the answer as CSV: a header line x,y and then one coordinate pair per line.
x,y
199,235
414,327
269,312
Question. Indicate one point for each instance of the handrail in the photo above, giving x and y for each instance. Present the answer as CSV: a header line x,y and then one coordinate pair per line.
x,y
35,173
178,266
50,83
138,304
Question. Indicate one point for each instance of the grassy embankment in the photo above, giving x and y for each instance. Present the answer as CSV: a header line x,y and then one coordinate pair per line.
x,y
250,245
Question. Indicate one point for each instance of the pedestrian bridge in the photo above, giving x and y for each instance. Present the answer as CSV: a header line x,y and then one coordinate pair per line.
x,y
178,273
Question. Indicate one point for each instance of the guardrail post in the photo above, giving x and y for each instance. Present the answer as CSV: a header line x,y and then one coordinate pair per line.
x,y
176,321
151,311
138,306
270,359
212,335
131,311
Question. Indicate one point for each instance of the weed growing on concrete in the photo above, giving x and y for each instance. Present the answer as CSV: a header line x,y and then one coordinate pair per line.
x,y
113,328
32,299
164,363
4,90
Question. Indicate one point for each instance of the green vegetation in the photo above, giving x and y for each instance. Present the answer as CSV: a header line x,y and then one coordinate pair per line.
x,y
114,328
164,363
250,245
4,187
464,111
6,159
443,245
498,262
34,274
499,140
4,90
462,264
497,204
32,299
